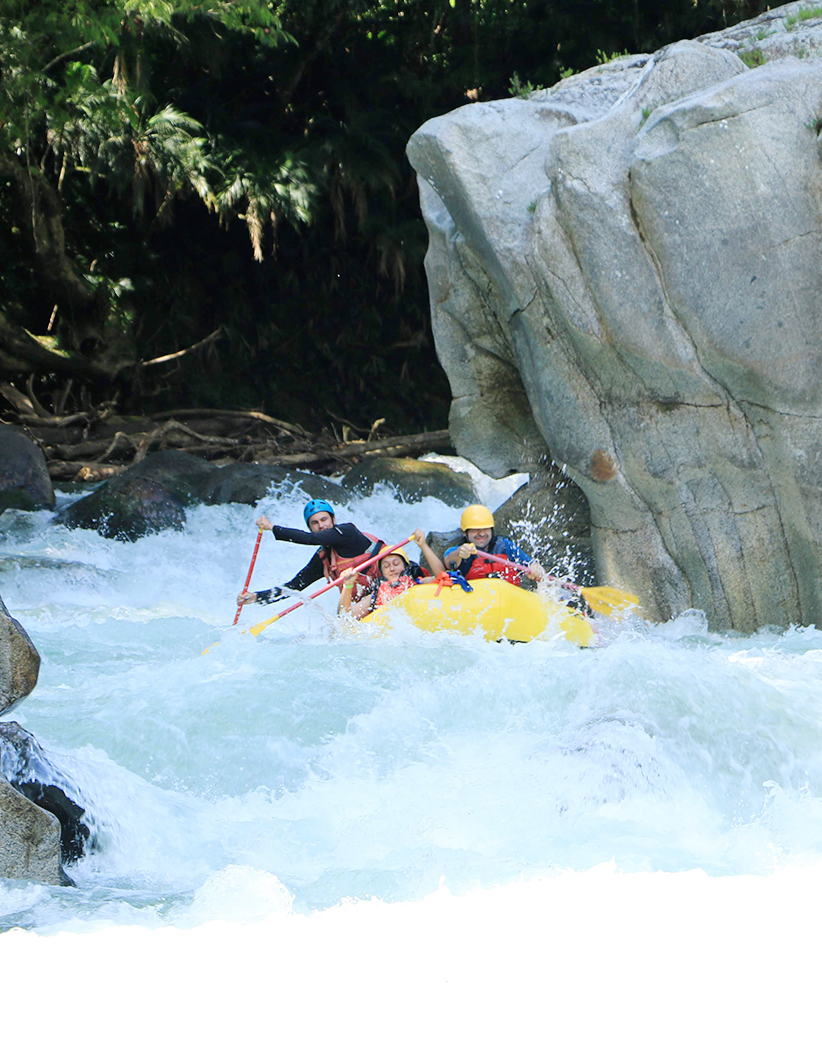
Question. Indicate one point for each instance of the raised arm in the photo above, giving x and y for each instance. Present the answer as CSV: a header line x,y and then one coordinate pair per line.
x,y
455,555
435,565
358,608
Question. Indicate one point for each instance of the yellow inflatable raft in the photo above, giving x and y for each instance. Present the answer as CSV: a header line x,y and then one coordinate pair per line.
x,y
498,609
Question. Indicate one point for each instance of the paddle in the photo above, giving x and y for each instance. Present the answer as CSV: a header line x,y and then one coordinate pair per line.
x,y
248,576
604,599
257,629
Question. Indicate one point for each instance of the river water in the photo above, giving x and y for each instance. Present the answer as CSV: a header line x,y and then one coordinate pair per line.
x,y
315,774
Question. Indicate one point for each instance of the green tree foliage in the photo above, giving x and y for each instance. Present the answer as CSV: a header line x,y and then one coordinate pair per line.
x,y
170,168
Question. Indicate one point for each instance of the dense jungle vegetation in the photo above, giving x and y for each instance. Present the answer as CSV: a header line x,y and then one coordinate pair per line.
x,y
225,183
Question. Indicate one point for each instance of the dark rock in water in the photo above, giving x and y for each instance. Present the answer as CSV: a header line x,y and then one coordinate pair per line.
x,y
550,519
24,478
440,541
152,495
74,834
126,508
29,840
19,661
26,767
412,479
249,482
177,472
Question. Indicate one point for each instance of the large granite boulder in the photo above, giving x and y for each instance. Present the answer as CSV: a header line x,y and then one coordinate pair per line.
x,y
19,661
29,840
625,277
24,477
411,480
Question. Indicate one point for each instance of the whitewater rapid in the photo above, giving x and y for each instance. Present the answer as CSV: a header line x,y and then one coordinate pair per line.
x,y
315,771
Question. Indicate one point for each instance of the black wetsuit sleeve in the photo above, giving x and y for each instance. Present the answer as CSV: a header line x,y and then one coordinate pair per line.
x,y
312,571
306,576
346,539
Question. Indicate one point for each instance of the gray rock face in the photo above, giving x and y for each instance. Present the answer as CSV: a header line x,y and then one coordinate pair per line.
x,y
24,478
19,661
29,840
626,275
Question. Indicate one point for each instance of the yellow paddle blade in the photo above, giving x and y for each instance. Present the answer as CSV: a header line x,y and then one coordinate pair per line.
x,y
255,630
606,600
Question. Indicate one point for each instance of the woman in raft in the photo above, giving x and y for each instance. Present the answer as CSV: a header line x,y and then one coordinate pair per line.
x,y
477,524
396,575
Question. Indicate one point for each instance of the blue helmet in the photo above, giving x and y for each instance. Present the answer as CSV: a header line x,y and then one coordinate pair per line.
x,y
317,506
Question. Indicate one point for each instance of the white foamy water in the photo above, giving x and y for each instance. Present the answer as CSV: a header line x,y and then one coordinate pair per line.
x,y
498,817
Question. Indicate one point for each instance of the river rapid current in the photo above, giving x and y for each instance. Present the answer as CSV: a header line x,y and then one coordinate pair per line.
x,y
318,774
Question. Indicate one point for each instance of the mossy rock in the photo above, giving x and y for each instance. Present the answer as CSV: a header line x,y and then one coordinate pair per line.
x,y
126,508
250,482
440,541
412,479
24,477
152,495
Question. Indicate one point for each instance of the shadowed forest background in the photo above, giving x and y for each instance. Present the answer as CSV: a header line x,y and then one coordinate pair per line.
x,y
226,183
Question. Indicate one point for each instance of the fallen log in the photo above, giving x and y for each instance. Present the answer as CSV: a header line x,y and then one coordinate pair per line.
x,y
351,449
204,413
83,471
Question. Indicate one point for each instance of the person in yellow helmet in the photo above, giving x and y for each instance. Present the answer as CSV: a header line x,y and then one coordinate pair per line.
x,y
477,523
397,575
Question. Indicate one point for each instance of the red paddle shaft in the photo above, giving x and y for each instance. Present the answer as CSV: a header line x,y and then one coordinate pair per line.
x,y
248,576
257,629
521,567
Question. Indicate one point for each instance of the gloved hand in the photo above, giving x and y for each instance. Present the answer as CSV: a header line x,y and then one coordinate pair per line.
x,y
271,596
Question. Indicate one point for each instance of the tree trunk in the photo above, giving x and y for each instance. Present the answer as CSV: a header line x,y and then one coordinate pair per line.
x,y
82,310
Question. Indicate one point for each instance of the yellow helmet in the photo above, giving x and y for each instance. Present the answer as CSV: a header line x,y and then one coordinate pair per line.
x,y
399,552
476,517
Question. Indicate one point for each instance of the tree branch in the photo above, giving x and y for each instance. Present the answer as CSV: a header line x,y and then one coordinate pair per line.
x,y
65,54
211,338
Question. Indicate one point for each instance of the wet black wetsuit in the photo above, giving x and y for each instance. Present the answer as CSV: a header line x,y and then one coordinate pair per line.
x,y
345,539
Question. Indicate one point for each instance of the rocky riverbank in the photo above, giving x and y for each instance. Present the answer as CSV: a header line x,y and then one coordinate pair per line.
x,y
34,842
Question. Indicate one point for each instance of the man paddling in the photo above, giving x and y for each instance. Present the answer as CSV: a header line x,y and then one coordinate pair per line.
x,y
477,523
341,546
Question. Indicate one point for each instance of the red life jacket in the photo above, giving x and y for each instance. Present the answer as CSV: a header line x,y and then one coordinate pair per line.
x,y
334,564
482,568
386,591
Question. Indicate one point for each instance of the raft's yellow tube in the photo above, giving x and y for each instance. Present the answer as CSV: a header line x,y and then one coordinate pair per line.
x,y
496,607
